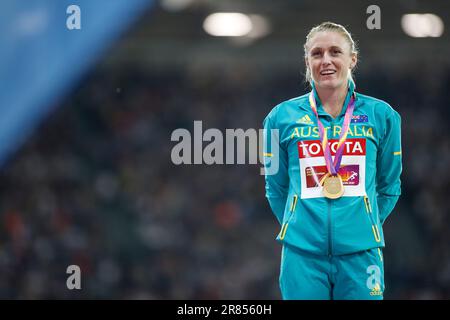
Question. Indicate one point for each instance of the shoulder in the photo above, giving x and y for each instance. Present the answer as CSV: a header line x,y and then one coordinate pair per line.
x,y
286,107
379,106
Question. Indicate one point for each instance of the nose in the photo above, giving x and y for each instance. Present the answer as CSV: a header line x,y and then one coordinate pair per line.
x,y
326,60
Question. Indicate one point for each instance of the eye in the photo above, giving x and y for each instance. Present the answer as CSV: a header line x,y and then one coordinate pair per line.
x,y
335,51
315,53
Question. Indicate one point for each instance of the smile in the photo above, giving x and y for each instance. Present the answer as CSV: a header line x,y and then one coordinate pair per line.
x,y
327,72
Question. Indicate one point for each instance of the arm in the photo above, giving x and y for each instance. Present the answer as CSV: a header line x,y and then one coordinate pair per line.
x,y
275,169
389,166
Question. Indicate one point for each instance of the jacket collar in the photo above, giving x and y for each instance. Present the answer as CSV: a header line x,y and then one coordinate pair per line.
x,y
320,109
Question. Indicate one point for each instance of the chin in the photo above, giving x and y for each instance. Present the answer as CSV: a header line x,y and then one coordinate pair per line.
x,y
329,84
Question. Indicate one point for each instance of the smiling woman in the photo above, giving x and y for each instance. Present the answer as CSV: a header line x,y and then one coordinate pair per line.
x,y
331,215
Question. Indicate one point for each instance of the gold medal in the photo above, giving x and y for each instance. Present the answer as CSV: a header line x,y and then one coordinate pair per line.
x,y
333,187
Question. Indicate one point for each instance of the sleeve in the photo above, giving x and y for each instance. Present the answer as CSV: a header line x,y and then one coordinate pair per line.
x,y
389,166
275,170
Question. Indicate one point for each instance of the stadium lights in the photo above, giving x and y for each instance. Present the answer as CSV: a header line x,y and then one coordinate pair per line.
x,y
228,24
261,26
422,25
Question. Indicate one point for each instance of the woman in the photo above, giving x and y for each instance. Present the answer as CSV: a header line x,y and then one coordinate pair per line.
x,y
337,160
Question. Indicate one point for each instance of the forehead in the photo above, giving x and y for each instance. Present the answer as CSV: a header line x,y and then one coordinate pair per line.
x,y
326,39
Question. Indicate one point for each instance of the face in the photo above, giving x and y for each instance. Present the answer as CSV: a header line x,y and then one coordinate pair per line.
x,y
329,59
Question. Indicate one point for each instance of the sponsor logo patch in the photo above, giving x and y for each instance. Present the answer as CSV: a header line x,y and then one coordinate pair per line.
x,y
313,167
305,120
376,290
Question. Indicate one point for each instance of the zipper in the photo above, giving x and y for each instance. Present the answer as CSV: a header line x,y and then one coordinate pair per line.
x,y
330,240
293,204
367,204
291,210
376,232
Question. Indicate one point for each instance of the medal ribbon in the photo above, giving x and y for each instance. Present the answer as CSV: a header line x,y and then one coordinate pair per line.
x,y
333,166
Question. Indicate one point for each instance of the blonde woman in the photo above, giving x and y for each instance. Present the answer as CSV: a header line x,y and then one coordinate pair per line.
x,y
338,158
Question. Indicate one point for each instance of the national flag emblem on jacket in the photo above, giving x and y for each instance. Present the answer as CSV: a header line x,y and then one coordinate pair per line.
x,y
359,118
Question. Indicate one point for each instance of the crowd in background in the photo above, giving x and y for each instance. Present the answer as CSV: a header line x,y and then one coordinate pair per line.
x,y
95,187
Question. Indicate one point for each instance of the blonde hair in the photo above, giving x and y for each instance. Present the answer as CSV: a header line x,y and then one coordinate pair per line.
x,y
329,26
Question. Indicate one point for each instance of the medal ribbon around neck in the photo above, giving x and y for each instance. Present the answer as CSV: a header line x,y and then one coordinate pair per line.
x,y
333,166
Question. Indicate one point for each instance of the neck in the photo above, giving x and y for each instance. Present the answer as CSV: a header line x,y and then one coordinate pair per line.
x,y
332,99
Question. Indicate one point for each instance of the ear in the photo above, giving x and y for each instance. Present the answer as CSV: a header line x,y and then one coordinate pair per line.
x,y
354,61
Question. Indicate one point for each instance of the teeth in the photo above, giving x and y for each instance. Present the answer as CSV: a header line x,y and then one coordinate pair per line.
x,y
327,72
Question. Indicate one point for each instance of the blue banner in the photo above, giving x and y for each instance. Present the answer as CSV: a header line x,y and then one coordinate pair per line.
x,y
45,47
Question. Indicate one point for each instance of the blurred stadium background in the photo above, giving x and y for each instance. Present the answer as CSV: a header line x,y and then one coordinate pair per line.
x,y
85,129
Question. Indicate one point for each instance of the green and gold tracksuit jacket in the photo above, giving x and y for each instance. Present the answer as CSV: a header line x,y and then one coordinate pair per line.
x,y
370,169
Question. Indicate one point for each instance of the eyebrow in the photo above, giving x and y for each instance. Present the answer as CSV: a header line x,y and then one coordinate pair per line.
x,y
332,47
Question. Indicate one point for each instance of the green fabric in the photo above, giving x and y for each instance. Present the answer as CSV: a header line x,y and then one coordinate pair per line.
x,y
349,224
